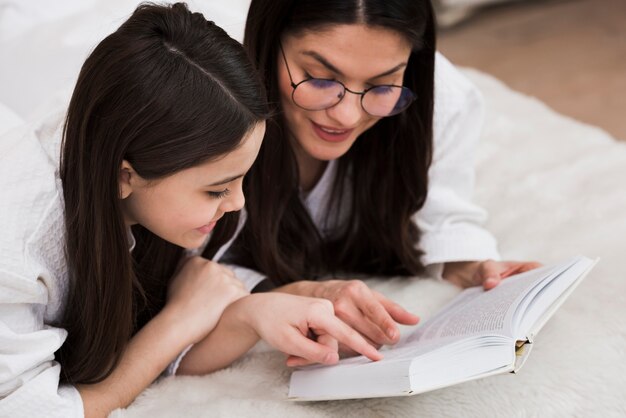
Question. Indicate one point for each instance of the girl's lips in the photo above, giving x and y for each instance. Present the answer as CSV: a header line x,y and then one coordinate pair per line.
x,y
331,135
205,229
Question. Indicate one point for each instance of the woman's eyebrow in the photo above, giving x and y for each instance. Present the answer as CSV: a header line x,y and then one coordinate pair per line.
x,y
323,61
334,69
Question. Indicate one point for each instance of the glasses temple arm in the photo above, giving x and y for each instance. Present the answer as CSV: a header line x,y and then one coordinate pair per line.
x,y
282,52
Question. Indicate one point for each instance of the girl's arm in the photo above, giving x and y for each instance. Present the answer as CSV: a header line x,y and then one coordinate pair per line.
x,y
146,356
197,298
283,321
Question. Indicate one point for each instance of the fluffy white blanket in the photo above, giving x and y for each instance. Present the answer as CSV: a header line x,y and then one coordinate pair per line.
x,y
554,188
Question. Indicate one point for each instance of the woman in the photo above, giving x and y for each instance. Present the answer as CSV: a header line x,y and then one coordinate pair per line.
x,y
96,297
356,177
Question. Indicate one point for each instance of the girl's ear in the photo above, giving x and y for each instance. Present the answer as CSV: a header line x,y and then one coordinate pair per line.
x,y
124,179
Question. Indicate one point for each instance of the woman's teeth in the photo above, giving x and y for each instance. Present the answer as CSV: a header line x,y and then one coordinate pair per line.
x,y
333,131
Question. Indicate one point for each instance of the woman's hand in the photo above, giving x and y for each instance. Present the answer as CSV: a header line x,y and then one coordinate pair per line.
x,y
200,292
370,313
487,273
304,328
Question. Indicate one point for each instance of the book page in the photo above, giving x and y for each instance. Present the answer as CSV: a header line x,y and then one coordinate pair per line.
x,y
549,298
476,311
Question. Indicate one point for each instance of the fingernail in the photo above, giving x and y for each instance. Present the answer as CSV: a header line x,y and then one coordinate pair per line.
x,y
391,333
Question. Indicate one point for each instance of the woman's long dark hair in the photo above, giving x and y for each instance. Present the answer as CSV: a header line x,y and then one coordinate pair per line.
x,y
167,91
388,164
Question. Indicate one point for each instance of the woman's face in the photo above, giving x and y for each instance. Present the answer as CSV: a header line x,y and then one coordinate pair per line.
x,y
357,55
183,208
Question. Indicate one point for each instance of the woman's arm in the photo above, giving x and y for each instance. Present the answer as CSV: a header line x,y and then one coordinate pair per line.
x,y
452,226
453,236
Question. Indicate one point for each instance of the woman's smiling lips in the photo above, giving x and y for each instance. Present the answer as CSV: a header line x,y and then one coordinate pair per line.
x,y
331,134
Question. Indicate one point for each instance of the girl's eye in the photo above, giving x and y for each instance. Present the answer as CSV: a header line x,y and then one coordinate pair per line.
x,y
219,195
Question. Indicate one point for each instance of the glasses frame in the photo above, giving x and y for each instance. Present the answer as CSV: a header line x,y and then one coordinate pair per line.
x,y
294,86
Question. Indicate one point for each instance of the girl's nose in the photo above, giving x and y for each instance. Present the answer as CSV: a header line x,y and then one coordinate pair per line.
x,y
234,201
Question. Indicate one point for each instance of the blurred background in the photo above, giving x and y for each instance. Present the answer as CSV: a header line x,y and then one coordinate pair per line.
x,y
570,54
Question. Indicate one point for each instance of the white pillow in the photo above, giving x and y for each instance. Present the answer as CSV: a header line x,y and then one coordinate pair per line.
x,y
8,119
45,52
20,16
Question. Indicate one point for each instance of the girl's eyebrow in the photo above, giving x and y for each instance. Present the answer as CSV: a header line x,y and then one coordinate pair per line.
x,y
334,69
226,180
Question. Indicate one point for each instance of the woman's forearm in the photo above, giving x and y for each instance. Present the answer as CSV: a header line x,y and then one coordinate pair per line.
x,y
232,337
148,353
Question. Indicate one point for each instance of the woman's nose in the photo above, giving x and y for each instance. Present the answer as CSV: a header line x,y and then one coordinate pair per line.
x,y
348,111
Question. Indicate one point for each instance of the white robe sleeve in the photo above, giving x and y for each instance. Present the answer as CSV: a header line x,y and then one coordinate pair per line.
x,y
29,376
250,278
30,287
451,225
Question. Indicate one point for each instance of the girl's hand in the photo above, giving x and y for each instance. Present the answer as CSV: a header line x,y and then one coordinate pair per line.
x,y
487,273
365,310
199,293
304,328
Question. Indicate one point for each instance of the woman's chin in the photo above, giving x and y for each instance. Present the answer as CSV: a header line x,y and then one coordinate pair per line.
x,y
328,151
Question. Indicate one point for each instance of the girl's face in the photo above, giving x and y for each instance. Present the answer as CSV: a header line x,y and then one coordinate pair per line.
x,y
184,207
357,55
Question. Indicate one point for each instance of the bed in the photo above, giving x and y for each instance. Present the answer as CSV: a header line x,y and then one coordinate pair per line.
x,y
554,187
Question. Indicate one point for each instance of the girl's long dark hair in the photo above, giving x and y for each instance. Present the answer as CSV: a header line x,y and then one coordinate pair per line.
x,y
167,91
388,165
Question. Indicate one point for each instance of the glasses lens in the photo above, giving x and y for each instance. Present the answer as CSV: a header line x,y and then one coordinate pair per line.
x,y
318,94
387,100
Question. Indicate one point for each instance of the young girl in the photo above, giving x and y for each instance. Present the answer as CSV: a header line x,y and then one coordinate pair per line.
x,y
367,169
96,298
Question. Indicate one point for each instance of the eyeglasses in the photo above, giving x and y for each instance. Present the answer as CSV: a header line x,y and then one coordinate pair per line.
x,y
321,93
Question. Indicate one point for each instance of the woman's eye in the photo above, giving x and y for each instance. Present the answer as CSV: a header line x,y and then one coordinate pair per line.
x,y
322,84
382,90
219,195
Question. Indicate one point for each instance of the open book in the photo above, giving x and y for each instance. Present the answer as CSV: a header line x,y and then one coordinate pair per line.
x,y
479,333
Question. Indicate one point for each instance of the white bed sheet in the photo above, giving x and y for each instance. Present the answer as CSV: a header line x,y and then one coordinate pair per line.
x,y
44,43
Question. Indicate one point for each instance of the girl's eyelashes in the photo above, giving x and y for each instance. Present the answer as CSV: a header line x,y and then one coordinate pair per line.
x,y
219,195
